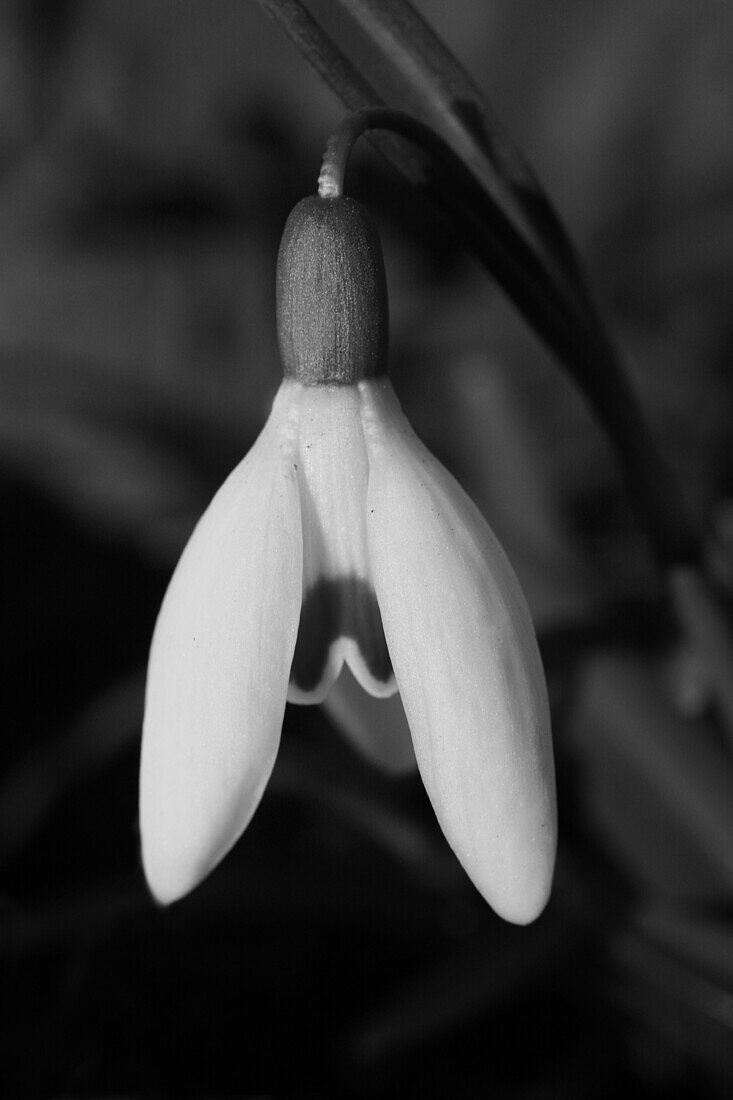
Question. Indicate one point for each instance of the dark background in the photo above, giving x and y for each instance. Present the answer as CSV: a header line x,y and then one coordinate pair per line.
x,y
150,152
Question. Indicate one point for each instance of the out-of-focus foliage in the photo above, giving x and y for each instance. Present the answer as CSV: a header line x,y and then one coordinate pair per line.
x,y
149,155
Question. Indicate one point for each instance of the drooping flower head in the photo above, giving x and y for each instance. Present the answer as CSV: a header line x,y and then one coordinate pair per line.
x,y
338,541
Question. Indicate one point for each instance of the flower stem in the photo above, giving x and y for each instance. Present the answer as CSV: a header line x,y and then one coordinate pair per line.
x,y
347,133
449,100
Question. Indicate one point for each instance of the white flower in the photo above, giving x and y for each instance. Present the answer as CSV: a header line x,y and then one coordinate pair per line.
x,y
341,539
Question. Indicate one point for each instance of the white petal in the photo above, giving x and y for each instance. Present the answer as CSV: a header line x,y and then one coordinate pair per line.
x,y
467,665
376,727
219,664
340,619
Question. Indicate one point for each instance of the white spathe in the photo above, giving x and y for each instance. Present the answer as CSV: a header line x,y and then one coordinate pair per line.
x,y
338,486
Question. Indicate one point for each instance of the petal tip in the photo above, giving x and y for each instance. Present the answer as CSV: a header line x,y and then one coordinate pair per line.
x,y
520,891
171,870
524,904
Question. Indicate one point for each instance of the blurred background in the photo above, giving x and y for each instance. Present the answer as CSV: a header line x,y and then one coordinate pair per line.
x,y
150,152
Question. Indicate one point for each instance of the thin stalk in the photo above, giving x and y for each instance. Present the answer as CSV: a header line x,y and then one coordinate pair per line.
x,y
335,69
443,94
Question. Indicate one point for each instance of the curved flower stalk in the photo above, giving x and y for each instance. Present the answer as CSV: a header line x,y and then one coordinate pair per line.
x,y
341,541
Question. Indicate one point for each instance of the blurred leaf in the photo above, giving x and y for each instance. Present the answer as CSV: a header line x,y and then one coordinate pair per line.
x,y
655,786
32,788
691,1012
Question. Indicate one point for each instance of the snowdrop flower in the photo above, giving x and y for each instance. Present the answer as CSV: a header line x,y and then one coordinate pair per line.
x,y
340,540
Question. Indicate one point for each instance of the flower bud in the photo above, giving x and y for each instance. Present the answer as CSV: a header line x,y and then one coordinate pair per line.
x,y
331,294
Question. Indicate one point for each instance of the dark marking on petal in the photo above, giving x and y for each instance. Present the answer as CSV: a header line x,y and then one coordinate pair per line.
x,y
341,607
